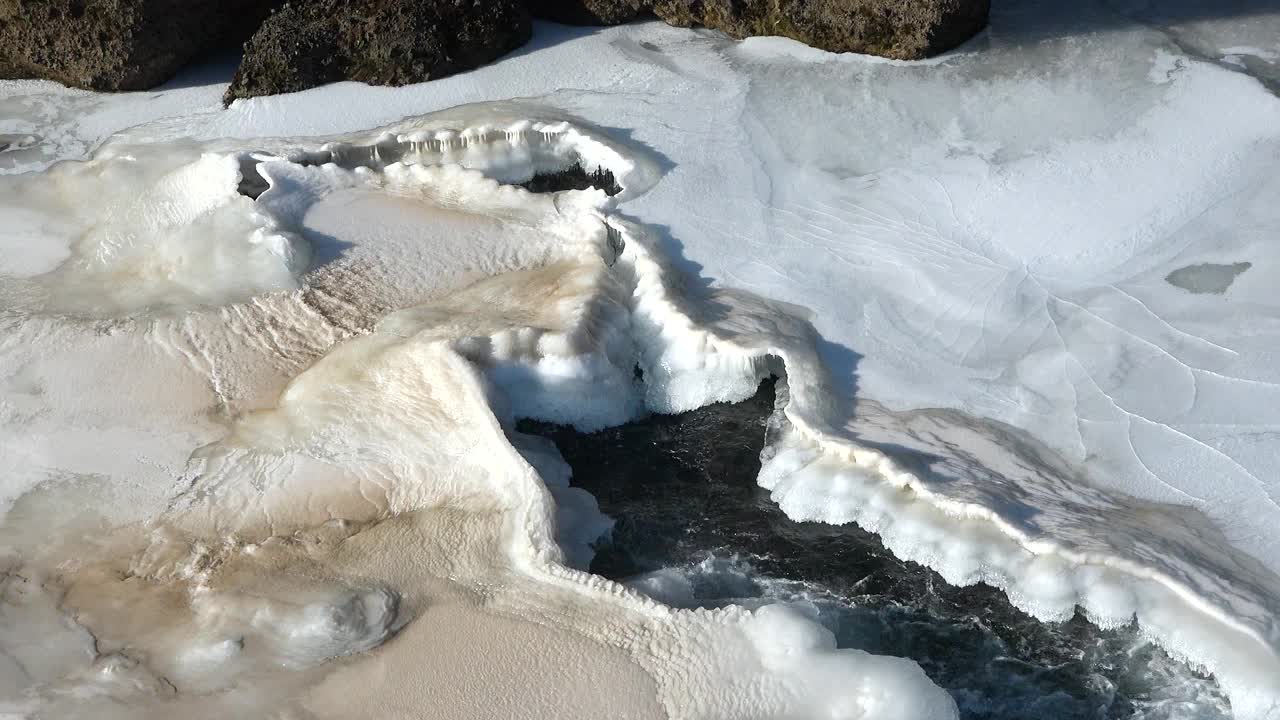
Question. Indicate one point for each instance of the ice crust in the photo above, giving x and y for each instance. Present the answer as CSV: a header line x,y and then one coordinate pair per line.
x,y
146,238
991,232
517,305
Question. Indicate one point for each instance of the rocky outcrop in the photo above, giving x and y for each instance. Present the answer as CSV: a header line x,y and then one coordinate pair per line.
x,y
380,42
117,44
589,12
902,29
138,44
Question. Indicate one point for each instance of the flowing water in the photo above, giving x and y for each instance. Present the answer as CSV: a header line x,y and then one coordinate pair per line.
x,y
693,529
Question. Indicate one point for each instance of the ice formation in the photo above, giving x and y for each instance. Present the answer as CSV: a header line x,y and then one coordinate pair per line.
x,y
152,236
973,250
469,302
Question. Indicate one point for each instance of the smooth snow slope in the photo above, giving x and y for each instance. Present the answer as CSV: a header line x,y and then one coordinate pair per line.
x,y
983,243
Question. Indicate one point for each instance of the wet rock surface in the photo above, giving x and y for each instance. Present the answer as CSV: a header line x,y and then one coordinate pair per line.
x,y
683,493
891,28
117,44
379,42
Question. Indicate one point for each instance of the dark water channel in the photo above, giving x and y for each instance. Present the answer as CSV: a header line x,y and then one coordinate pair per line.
x,y
694,529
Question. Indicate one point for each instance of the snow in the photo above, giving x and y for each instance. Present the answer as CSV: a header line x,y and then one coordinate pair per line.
x,y
479,297
960,265
131,234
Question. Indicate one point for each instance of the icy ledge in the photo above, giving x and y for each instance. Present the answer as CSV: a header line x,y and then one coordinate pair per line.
x,y
696,347
171,226
697,350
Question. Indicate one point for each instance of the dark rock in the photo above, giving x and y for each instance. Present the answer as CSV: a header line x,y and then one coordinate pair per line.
x,y
575,177
902,29
380,42
588,12
117,44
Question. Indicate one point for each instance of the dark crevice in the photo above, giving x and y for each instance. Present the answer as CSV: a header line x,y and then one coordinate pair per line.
x,y
575,177
252,184
683,492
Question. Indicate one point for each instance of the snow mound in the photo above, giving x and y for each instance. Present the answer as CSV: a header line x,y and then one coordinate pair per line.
x,y
471,303
124,234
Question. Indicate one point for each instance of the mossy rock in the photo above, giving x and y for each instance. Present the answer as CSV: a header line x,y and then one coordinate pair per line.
x,y
117,44
902,29
588,12
379,42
